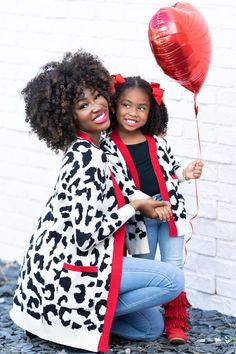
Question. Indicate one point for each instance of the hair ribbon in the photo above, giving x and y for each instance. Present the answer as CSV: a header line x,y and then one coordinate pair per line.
x,y
117,79
157,92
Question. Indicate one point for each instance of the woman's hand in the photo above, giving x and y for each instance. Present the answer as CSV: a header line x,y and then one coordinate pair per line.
x,y
193,170
153,209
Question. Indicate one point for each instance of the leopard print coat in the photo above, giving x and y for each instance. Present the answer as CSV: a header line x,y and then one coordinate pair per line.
x,y
69,280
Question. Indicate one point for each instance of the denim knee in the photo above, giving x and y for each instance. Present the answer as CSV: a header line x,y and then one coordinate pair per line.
x,y
156,331
144,325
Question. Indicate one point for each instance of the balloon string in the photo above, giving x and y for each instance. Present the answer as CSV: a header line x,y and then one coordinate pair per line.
x,y
195,181
198,130
200,154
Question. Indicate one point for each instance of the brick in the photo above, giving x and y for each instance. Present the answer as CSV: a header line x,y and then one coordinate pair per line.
x,y
191,261
225,12
35,176
220,268
210,172
227,135
201,300
213,228
228,94
206,227
23,208
205,245
183,109
171,91
16,237
139,12
227,174
11,253
207,131
225,230
222,77
226,250
219,191
226,211
208,95
176,128
207,209
217,153
226,113
114,12
185,148
226,287
27,192
200,282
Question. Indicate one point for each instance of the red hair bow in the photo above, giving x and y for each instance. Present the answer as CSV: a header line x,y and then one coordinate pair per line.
x,y
157,92
117,79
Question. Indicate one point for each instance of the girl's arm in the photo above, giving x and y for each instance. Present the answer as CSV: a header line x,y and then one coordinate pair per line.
x,y
177,167
192,171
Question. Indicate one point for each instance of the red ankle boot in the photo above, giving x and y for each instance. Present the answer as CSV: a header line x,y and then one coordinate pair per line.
x,y
176,318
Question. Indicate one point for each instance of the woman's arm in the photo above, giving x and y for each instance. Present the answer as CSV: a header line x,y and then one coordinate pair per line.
x,y
87,181
95,214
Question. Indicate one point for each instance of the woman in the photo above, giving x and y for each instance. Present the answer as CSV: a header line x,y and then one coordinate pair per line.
x,y
75,286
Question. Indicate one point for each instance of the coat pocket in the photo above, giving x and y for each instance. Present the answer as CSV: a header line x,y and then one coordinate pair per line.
x,y
77,286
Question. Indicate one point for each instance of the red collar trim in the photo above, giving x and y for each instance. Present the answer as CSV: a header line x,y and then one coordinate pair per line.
x,y
84,136
126,155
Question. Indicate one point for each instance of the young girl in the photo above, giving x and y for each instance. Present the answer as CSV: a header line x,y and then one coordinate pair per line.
x,y
75,286
137,142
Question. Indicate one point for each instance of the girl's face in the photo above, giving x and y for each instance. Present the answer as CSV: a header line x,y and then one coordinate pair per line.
x,y
132,109
91,113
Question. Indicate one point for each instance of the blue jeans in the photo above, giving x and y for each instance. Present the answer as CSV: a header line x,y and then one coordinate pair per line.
x,y
171,248
145,284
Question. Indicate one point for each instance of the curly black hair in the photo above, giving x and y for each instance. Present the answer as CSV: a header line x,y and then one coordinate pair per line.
x,y
158,116
50,97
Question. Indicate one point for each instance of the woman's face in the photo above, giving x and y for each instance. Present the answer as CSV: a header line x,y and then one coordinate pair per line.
x,y
91,112
132,109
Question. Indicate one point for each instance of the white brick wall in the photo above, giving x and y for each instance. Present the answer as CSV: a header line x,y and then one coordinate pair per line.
x,y
34,32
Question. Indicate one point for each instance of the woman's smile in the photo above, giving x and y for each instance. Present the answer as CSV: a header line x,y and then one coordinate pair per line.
x,y
102,118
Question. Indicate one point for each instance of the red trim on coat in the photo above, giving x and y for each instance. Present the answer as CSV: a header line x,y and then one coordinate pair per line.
x,y
162,184
116,272
127,156
84,136
156,168
116,267
86,269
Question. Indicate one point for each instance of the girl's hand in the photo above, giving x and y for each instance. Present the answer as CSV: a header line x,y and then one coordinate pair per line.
x,y
153,209
193,170
163,213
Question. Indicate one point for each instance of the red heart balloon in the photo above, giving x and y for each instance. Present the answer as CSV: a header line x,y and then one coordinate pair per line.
x,y
181,43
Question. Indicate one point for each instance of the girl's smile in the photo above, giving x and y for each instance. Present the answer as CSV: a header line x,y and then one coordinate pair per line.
x,y
133,108
131,122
